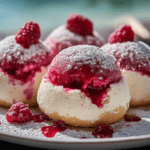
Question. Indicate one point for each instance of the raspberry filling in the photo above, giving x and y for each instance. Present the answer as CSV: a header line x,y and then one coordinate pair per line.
x,y
24,72
96,94
20,63
86,68
132,56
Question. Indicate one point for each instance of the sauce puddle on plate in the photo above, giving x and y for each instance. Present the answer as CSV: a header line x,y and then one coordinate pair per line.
x,y
131,118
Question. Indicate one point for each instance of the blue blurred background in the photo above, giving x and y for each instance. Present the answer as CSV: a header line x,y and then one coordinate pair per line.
x,y
52,13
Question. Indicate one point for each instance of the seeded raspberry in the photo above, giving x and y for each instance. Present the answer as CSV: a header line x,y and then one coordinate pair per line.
x,y
123,34
29,34
19,112
79,24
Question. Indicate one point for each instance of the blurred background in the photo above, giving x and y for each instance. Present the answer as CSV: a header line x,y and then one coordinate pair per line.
x,y
52,13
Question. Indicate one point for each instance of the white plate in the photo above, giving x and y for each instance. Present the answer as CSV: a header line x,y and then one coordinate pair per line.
x,y
138,134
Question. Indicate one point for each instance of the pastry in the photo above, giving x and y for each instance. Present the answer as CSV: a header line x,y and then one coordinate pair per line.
x,y
24,59
133,58
83,87
77,30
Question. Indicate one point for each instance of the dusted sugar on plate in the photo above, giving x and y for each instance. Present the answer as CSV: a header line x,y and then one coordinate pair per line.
x,y
84,87
23,62
133,58
77,30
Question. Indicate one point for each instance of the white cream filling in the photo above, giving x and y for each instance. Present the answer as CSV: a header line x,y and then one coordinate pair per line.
x,y
75,104
139,85
10,91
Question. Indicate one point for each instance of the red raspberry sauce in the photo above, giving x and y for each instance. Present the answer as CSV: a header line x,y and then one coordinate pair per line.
x,y
103,131
22,64
50,131
96,95
41,117
131,118
83,137
83,67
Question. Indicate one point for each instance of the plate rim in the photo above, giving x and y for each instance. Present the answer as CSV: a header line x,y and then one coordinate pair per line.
x,y
76,140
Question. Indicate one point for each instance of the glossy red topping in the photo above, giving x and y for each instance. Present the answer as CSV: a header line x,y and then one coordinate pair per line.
x,y
28,34
41,117
87,68
79,24
134,56
103,131
22,64
50,131
19,112
123,34
83,137
131,118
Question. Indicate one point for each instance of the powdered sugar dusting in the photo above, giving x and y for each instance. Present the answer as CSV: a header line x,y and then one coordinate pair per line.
x,y
10,50
87,55
62,38
87,68
20,63
130,55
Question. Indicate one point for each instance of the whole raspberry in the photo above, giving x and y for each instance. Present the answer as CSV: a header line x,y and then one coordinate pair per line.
x,y
28,34
79,24
123,34
19,112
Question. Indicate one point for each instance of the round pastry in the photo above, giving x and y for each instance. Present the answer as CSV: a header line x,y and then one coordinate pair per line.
x,y
78,30
133,58
83,87
24,59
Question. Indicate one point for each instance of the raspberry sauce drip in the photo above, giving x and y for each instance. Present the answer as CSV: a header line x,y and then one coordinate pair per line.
x,y
131,118
41,117
50,131
86,68
96,95
131,56
83,137
25,74
103,131
22,64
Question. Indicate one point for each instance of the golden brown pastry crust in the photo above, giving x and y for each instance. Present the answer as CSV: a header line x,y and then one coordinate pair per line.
x,y
105,118
141,102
